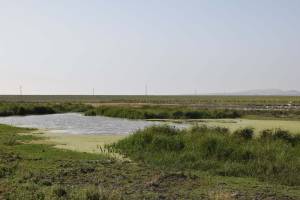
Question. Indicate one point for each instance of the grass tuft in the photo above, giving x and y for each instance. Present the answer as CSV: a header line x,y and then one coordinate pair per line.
x,y
59,191
245,133
217,151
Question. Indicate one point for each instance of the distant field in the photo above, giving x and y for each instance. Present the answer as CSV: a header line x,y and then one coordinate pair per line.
x,y
196,100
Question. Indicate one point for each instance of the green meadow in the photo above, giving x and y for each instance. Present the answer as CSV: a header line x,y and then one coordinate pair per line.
x,y
227,152
32,169
259,125
156,99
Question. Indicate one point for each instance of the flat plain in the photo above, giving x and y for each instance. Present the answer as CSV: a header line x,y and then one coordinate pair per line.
x,y
214,159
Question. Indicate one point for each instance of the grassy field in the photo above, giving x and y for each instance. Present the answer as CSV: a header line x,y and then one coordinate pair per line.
x,y
156,107
137,111
187,112
8,109
273,156
166,99
258,125
29,170
209,163
161,112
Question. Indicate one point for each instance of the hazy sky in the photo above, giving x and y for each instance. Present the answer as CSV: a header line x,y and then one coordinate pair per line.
x,y
175,46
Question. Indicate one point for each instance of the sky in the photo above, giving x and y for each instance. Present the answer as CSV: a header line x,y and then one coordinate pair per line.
x,y
172,46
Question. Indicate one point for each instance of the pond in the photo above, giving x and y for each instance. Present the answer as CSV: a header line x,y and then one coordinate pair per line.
x,y
75,123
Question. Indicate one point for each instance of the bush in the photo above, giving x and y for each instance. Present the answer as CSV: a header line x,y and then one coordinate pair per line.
x,y
272,157
161,143
5,171
266,134
7,109
94,194
90,113
279,134
246,133
178,114
161,112
59,191
10,139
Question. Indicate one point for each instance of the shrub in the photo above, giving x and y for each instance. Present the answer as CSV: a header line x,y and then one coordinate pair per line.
x,y
161,143
213,150
90,113
199,129
178,114
282,135
279,134
221,130
94,194
7,109
59,191
161,112
10,139
246,133
4,171
266,134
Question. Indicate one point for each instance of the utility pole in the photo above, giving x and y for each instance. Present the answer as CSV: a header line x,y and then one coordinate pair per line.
x,y
93,91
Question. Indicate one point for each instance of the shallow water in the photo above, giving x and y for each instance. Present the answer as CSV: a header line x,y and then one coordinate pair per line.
x,y
75,123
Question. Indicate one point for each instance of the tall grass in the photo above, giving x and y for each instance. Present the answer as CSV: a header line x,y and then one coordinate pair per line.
x,y
273,156
162,112
8,109
140,112
185,112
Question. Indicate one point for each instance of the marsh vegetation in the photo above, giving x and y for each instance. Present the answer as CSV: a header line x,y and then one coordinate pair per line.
x,y
161,112
9,109
140,111
213,100
32,170
209,162
271,156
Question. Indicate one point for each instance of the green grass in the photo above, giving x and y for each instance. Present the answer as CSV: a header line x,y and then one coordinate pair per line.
x,y
186,112
259,125
8,109
155,107
272,158
37,171
161,112
156,99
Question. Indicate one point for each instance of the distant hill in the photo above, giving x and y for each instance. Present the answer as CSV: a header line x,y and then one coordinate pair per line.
x,y
267,92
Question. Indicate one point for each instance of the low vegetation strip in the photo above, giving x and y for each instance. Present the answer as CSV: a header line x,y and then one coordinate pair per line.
x,y
142,112
157,99
187,112
273,156
8,109
161,112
